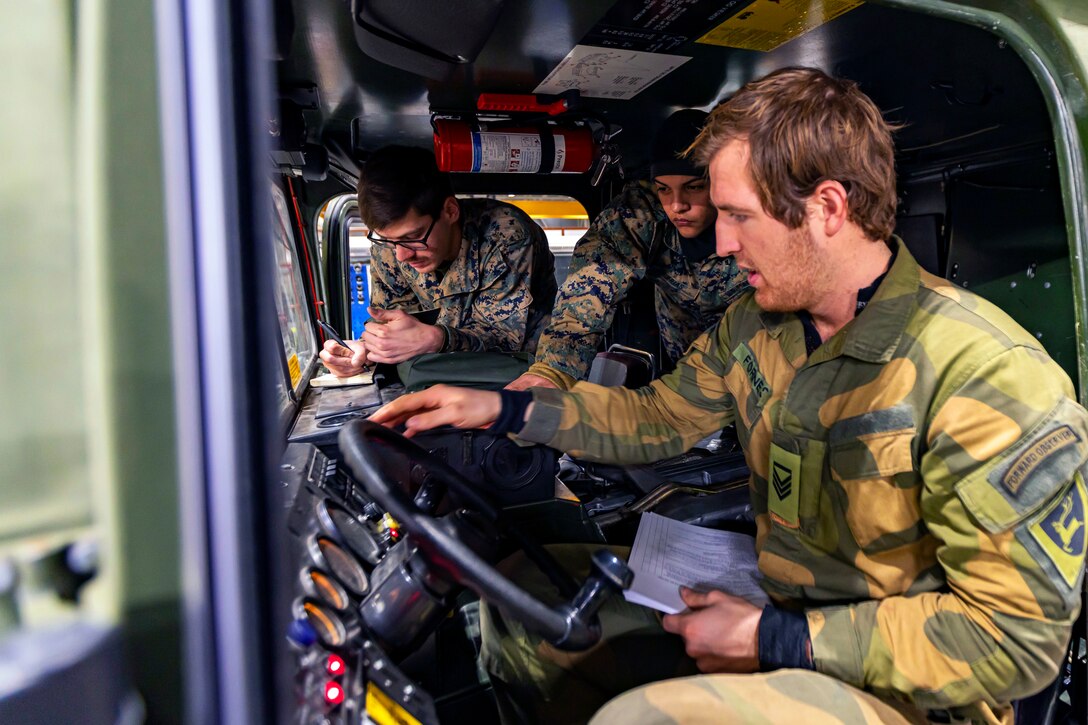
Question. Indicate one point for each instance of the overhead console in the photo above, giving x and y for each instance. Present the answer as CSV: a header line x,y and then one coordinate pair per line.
x,y
432,43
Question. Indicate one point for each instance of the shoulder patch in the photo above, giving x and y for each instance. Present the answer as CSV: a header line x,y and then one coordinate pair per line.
x,y
1025,464
1016,484
747,359
1060,532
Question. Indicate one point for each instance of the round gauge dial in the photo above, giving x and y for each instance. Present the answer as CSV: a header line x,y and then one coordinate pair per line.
x,y
351,531
342,564
324,588
328,626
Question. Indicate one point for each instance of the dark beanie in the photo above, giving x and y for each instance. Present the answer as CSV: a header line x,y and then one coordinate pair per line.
x,y
672,139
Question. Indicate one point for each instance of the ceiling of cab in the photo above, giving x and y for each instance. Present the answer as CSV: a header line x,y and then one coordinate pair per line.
x,y
955,88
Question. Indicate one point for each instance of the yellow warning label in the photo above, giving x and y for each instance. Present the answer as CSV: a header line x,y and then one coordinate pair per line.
x,y
294,369
767,24
383,710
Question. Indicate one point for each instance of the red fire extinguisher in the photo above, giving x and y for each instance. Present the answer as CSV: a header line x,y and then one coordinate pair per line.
x,y
479,148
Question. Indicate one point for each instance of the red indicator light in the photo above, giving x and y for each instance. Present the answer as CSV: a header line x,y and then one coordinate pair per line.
x,y
334,694
334,665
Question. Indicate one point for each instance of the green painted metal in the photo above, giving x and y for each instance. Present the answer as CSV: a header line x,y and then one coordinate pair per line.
x,y
43,448
1051,36
122,214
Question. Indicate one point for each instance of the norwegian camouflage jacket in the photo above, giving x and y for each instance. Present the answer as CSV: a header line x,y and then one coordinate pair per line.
x,y
495,296
631,240
917,482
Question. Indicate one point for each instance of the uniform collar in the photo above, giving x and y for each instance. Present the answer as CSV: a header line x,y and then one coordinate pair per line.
x,y
461,275
876,331
667,230
699,249
874,334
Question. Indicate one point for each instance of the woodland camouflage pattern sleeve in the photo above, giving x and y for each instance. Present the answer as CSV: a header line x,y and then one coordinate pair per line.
x,y
928,466
618,425
606,262
500,271
389,290
1004,500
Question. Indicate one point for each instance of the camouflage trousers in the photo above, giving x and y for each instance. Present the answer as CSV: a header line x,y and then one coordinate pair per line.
x,y
536,683
784,696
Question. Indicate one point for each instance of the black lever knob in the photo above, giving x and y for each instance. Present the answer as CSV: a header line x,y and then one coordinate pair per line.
x,y
609,575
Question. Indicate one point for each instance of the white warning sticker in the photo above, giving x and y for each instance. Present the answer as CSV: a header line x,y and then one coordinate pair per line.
x,y
505,152
609,72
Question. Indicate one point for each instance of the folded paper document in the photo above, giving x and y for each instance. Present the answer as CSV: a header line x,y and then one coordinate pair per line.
x,y
668,554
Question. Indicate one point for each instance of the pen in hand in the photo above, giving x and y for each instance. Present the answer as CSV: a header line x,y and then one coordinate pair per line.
x,y
331,332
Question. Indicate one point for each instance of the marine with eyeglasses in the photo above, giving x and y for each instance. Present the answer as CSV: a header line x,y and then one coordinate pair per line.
x,y
483,264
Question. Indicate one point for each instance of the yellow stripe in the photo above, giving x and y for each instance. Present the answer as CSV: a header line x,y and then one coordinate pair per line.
x,y
383,710
542,209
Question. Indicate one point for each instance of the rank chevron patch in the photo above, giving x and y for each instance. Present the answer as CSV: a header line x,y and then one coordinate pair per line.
x,y
785,481
782,478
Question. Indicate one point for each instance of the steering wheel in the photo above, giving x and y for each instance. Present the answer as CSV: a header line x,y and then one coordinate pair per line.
x,y
371,450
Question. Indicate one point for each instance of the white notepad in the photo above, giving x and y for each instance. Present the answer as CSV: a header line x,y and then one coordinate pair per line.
x,y
328,380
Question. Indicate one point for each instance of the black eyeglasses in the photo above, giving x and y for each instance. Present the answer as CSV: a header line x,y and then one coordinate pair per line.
x,y
413,244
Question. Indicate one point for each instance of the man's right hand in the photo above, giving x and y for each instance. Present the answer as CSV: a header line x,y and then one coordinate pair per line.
x,y
528,380
441,405
343,362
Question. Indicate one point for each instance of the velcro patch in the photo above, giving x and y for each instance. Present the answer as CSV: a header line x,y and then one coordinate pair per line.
x,y
1060,531
747,359
785,475
1030,459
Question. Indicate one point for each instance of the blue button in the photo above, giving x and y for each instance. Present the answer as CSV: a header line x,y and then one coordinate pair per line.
x,y
301,632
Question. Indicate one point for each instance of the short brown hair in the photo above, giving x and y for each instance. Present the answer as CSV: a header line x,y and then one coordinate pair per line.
x,y
399,179
804,127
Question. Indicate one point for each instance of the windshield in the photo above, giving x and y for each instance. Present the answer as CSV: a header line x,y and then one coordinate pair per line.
x,y
299,340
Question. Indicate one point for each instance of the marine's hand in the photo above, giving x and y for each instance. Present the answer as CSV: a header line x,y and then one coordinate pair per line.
x,y
720,631
393,336
441,405
343,362
528,380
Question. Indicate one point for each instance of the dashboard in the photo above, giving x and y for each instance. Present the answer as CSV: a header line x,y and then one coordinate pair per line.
x,y
393,545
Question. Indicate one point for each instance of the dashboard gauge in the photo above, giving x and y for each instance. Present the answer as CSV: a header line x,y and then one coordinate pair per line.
x,y
329,627
349,530
322,587
341,563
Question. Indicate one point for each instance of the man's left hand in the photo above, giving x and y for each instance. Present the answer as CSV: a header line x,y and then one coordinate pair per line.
x,y
394,336
720,631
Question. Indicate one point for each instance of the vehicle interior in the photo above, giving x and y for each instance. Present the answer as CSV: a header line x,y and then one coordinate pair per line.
x,y
307,566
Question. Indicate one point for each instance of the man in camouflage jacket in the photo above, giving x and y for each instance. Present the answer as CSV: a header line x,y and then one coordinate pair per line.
x,y
660,230
483,264
916,457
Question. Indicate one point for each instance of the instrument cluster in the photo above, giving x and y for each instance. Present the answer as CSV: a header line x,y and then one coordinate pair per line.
x,y
356,593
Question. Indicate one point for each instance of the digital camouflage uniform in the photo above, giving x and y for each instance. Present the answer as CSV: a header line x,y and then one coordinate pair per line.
x,y
926,506
495,296
689,295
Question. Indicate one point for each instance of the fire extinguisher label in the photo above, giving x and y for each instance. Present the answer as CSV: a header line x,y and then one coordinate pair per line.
x,y
560,153
506,152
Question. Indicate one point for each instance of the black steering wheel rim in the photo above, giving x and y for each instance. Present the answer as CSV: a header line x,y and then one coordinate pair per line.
x,y
361,444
